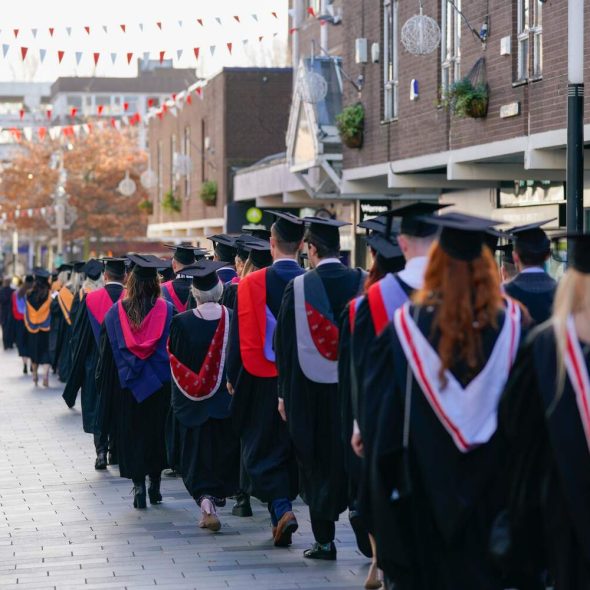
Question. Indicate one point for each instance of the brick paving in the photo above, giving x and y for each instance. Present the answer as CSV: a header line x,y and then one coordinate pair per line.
x,y
65,526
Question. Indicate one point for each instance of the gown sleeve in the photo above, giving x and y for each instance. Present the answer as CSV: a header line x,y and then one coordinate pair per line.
x,y
285,342
80,343
107,384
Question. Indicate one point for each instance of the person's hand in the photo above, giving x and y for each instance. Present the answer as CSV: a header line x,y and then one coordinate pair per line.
x,y
230,388
356,442
281,409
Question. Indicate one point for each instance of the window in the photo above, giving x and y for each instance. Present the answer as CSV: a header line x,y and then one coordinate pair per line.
x,y
74,100
390,59
172,152
187,155
132,104
450,44
530,40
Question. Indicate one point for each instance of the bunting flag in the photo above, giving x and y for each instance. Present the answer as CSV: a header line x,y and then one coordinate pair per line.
x,y
125,106
255,17
310,11
179,53
105,29
96,57
189,99
87,29
69,31
78,57
60,56
275,14
34,33
49,114
180,23
159,25
113,58
23,52
42,53
200,21
5,49
212,50
73,112
21,114
218,20
146,56
16,32
42,132
123,28
162,54
150,103
196,51
237,18
100,109
229,47
51,31
129,57
141,27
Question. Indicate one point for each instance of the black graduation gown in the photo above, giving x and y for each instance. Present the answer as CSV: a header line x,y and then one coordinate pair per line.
x,y
436,537
138,428
536,291
208,447
38,343
17,328
267,453
549,468
84,359
6,316
230,292
313,409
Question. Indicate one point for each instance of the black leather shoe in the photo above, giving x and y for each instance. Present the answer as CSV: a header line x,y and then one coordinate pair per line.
x,y
25,369
242,507
139,499
316,552
361,533
113,460
154,491
101,462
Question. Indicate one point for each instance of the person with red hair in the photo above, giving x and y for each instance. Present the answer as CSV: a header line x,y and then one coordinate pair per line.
x,y
441,366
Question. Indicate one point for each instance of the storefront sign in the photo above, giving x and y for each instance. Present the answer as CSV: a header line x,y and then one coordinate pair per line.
x,y
370,209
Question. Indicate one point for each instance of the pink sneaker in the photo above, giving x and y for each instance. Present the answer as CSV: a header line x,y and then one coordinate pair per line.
x,y
209,518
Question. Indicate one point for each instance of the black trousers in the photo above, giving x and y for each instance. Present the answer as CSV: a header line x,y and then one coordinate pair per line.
x,y
323,530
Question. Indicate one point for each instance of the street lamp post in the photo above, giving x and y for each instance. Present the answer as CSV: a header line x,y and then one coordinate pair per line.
x,y
575,117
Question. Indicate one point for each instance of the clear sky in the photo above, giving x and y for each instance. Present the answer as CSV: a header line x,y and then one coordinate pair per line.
x,y
26,15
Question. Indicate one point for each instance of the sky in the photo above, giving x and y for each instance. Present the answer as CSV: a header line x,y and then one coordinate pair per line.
x,y
177,39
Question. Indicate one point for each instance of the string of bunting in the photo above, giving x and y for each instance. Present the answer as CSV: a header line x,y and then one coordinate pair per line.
x,y
26,213
160,25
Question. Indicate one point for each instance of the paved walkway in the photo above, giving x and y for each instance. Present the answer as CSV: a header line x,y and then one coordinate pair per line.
x,y
65,526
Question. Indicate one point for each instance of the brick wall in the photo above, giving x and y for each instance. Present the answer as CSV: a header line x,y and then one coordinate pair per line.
x,y
422,126
244,113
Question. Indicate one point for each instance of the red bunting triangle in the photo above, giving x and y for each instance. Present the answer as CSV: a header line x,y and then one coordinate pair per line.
x,y
159,25
260,38
229,47
60,56
42,131
87,29
292,30
73,112
197,50
23,52
125,106
274,14
16,32
49,113
311,11
174,97
51,31
100,109
123,28
129,57
189,99
150,103
162,54
96,56
165,108
160,115
113,122
22,114
200,21
237,18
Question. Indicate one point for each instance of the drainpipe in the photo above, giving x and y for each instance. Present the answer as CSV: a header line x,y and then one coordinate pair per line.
x,y
298,10
324,30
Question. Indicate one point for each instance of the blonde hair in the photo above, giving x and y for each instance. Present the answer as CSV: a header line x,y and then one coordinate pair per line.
x,y
572,297
92,285
249,268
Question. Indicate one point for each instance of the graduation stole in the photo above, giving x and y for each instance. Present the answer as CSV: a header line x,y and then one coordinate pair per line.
x,y
468,414
257,325
316,331
18,307
65,298
38,320
384,298
204,384
170,295
353,308
143,340
577,372
98,303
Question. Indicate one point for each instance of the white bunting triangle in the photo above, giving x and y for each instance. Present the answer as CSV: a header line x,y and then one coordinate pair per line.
x,y
105,28
5,49
146,56
255,17
218,19
113,58
180,23
141,27
34,32
78,57
212,50
179,53
69,31
28,133
244,42
42,53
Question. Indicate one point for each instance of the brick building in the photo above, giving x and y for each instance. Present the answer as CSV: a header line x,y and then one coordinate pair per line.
x,y
509,164
234,120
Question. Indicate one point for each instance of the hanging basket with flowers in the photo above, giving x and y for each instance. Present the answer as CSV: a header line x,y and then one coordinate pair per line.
x,y
170,203
208,192
351,125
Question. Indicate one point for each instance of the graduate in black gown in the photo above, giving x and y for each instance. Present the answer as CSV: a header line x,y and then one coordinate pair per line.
x,y
133,378
532,286
230,288
38,324
437,460
85,343
545,417
267,452
306,343
178,290
61,322
209,448
5,313
18,320
224,250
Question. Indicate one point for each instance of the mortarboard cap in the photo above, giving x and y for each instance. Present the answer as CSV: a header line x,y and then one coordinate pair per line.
x,y
531,238
78,265
185,253
288,226
93,269
259,251
326,231
204,274
506,253
66,267
412,218
258,231
41,274
378,224
462,236
241,252
145,266
385,247
31,278
117,266
224,246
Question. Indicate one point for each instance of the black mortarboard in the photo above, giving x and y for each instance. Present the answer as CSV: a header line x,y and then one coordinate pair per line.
x,y
385,247
41,274
54,275
31,278
184,253
93,269
462,236
325,231
224,246
378,224
492,238
412,218
241,252
78,265
204,274
259,251
288,226
531,238
146,265
258,231
506,252
66,267
117,266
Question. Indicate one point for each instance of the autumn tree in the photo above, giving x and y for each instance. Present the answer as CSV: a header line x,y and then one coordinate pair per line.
x,y
95,165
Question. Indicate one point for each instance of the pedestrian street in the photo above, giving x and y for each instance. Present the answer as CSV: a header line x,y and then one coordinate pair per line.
x,y
64,525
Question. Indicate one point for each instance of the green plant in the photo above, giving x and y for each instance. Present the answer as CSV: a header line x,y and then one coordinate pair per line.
x,y
351,124
465,99
170,203
146,206
208,192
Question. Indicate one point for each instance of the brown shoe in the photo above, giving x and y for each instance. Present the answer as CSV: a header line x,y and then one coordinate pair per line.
x,y
285,529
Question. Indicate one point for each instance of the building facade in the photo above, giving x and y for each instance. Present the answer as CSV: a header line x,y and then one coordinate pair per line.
x,y
197,147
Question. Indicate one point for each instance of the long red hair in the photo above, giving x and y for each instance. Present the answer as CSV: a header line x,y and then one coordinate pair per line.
x,y
466,297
